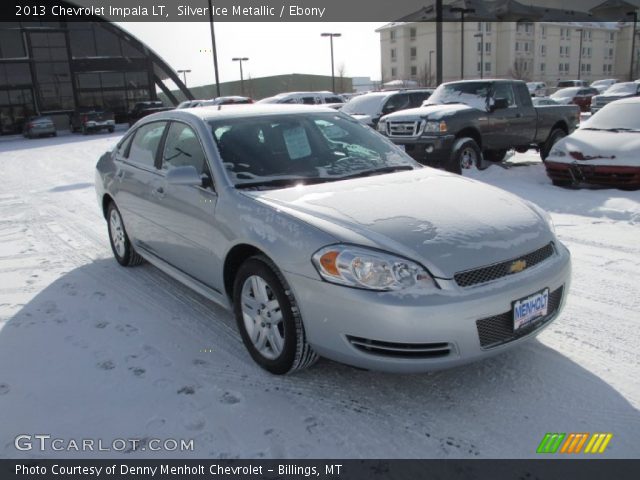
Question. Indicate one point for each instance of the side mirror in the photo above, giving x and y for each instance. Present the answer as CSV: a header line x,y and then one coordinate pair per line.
x,y
186,175
500,103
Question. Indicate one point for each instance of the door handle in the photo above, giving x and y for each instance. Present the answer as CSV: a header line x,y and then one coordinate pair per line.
x,y
120,174
159,190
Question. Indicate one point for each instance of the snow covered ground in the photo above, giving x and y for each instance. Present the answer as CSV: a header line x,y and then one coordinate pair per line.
x,y
92,350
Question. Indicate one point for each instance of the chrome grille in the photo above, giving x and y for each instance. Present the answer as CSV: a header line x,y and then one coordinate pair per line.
x,y
496,330
403,129
400,350
477,276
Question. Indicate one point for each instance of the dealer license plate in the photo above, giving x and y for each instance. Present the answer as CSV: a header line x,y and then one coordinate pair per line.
x,y
528,309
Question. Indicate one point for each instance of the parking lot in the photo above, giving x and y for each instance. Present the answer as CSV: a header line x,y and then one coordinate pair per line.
x,y
92,350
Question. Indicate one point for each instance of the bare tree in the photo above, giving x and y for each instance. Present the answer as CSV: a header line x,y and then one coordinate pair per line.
x,y
520,70
425,77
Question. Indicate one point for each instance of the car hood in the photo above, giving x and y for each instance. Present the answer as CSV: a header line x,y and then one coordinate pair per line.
x,y
595,147
366,119
612,97
431,112
447,222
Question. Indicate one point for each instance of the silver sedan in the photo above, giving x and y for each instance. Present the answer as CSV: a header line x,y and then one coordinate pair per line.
x,y
327,240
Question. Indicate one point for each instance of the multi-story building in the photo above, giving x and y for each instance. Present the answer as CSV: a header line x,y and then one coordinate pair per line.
x,y
542,50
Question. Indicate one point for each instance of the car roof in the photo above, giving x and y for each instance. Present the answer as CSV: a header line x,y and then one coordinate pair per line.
x,y
222,112
627,100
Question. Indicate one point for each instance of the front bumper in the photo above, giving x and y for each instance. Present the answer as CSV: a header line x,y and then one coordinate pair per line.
x,y
92,125
431,150
604,175
423,332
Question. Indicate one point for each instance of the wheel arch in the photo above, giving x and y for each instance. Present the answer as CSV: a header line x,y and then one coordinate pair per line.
x,y
106,201
470,132
234,258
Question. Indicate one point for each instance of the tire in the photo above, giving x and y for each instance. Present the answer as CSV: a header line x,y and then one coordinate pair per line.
x,y
121,246
85,130
111,129
278,343
54,134
465,155
561,183
554,136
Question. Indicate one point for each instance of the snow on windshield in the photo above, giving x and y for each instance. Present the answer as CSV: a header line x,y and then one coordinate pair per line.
x,y
473,94
623,88
363,105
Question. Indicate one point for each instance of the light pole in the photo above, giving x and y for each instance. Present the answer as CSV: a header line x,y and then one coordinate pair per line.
x,y
462,11
333,77
184,75
481,36
580,52
241,59
430,74
634,14
213,49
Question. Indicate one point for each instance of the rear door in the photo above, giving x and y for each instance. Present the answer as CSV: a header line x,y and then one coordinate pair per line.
x,y
188,212
504,123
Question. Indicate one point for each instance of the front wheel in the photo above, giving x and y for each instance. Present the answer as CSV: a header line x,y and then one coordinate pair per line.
x,y
269,319
465,155
120,243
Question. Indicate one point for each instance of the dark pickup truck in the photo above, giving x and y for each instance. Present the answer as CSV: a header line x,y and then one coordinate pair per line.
x,y
142,109
91,120
475,122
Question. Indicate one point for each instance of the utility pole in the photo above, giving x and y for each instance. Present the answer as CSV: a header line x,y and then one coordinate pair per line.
x,y
580,52
481,36
241,59
213,50
634,14
438,42
333,77
462,11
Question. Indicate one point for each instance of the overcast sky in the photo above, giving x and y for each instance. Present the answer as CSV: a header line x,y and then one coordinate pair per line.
x,y
272,48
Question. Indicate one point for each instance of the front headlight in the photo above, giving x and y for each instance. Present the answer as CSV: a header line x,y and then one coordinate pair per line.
x,y
557,152
361,267
435,127
382,126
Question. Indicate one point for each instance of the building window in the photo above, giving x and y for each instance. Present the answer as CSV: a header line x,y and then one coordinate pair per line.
x,y
479,26
393,55
412,33
487,27
518,47
612,36
479,66
12,44
413,53
542,67
487,48
487,66
392,36
543,31
414,71
543,50
394,72
566,67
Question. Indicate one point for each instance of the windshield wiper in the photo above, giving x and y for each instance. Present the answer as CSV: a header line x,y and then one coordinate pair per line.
x,y
377,171
282,182
613,129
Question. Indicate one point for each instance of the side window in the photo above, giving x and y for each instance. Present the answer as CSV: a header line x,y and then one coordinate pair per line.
x,y
123,147
144,146
395,103
308,100
182,148
332,99
504,90
417,98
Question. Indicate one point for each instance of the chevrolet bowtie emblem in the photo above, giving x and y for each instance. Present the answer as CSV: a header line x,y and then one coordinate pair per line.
x,y
517,266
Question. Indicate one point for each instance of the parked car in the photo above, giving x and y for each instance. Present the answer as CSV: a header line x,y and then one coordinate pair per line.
x,y
232,100
473,122
368,108
603,85
326,239
537,89
615,92
142,109
92,120
187,104
543,101
603,151
580,96
39,127
571,83
306,98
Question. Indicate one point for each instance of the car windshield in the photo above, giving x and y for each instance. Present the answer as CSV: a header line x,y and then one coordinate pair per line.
x,y
565,92
474,94
276,151
364,104
623,88
615,117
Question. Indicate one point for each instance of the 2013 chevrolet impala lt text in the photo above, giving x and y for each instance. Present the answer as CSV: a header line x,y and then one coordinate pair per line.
x,y
325,239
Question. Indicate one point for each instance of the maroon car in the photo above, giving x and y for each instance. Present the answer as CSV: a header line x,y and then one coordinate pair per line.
x,y
580,96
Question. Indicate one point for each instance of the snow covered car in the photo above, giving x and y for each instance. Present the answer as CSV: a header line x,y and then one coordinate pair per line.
x,y
613,93
324,238
605,150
